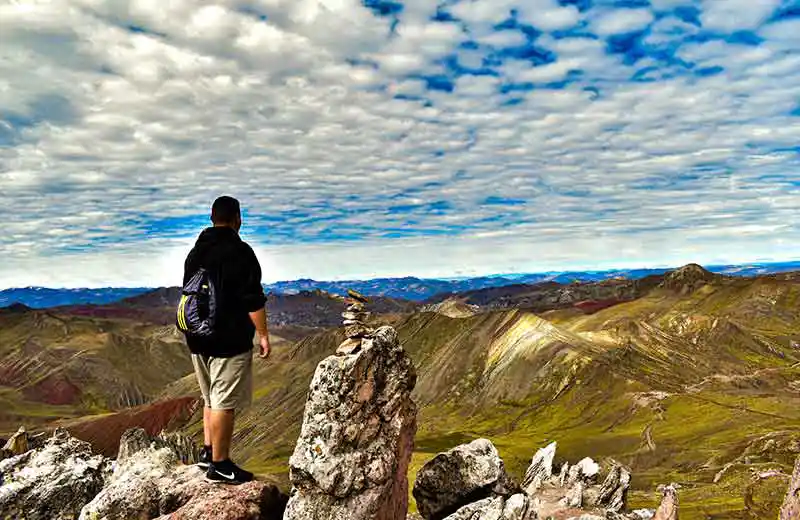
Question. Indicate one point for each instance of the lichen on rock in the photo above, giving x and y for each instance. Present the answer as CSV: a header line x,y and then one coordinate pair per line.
x,y
459,477
54,482
351,459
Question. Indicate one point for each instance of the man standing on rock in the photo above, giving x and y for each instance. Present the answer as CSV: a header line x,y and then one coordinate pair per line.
x,y
222,306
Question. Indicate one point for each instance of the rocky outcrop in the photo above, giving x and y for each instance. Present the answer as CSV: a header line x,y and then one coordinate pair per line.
x,y
16,445
516,507
136,440
541,468
614,490
791,504
586,470
52,483
576,489
63,480
459,477
469,483
149,481
351,459
668,510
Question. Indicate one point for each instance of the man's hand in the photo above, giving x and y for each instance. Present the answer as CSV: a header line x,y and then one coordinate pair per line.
x,y
265,346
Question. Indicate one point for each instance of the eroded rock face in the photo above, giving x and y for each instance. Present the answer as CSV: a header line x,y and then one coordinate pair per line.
x,y
351,460
541,469
614,490
149,481
791,504
463,475
52,483
517,507
575,491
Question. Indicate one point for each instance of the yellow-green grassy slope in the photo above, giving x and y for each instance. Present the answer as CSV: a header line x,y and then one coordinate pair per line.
x,y
677,386
58,367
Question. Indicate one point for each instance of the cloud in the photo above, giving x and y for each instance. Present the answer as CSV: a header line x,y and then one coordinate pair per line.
x,y
549,15
394,137
621,21
736,15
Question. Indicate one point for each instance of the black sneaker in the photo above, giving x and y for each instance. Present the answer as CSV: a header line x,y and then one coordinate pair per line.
x,y
204,459
228,472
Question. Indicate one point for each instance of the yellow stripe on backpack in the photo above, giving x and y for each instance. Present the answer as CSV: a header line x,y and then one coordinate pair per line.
x,y
182,314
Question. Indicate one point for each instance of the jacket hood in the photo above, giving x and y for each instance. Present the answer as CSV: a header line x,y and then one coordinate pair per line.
x,y
212,236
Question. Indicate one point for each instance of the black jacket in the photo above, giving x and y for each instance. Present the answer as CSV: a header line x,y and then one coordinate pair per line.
x,y
237,278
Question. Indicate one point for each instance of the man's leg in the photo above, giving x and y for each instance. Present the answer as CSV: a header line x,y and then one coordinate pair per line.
x,y
221,434
231,390
207,426
203,374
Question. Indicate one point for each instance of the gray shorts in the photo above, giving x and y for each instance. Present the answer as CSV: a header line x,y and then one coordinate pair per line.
x,y
226,383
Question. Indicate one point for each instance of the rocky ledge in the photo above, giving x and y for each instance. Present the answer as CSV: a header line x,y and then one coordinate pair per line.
x,y
469,482
64,480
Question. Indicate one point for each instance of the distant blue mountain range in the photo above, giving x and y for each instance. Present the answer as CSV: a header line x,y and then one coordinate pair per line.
x,y
43,297
409,288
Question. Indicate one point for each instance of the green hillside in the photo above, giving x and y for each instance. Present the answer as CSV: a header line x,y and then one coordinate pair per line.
x,y
695,380
679,384
56,366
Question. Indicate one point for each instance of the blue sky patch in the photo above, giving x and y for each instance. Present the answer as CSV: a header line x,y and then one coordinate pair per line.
x,y
384,7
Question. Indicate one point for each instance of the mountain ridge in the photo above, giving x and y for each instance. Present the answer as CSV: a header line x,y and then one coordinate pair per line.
x,y
409,288
686,374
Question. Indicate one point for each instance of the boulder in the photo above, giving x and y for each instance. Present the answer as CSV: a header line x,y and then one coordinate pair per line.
x,y
540,470
149,481
516,507
574,497
54,482
613,493
563,474
136,439
463,475
586,470
251,501
791,504
668,510
17,444
351,459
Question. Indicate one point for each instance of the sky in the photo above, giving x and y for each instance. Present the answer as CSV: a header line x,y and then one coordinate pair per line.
x,y
390,138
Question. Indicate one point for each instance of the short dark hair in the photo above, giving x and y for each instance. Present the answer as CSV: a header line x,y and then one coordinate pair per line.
x,y
225,210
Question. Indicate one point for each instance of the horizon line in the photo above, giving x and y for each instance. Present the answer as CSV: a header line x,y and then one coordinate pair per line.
x,y
709,267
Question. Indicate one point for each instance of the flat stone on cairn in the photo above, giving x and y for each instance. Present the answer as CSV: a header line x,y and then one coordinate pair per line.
x,y
355,323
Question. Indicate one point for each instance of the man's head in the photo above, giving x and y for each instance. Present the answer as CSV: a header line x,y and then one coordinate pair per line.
x,y
226,212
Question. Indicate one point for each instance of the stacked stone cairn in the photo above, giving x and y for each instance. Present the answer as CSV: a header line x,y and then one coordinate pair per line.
x,y
355,323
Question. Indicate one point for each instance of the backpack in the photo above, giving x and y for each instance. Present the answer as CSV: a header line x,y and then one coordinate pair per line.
x,y
196,313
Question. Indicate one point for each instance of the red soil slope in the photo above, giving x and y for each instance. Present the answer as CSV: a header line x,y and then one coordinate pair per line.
x,y
104,432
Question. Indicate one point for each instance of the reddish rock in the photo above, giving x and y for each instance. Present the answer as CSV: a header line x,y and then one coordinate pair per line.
x,y
251,501
592,306
55,389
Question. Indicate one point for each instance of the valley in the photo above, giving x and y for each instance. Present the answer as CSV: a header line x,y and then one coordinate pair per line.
x,y
690,376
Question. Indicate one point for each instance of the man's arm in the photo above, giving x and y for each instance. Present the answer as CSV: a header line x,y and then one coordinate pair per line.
x,y
255,302
259,318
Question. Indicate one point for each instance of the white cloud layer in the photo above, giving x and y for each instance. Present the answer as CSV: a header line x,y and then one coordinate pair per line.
x,y
496,135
